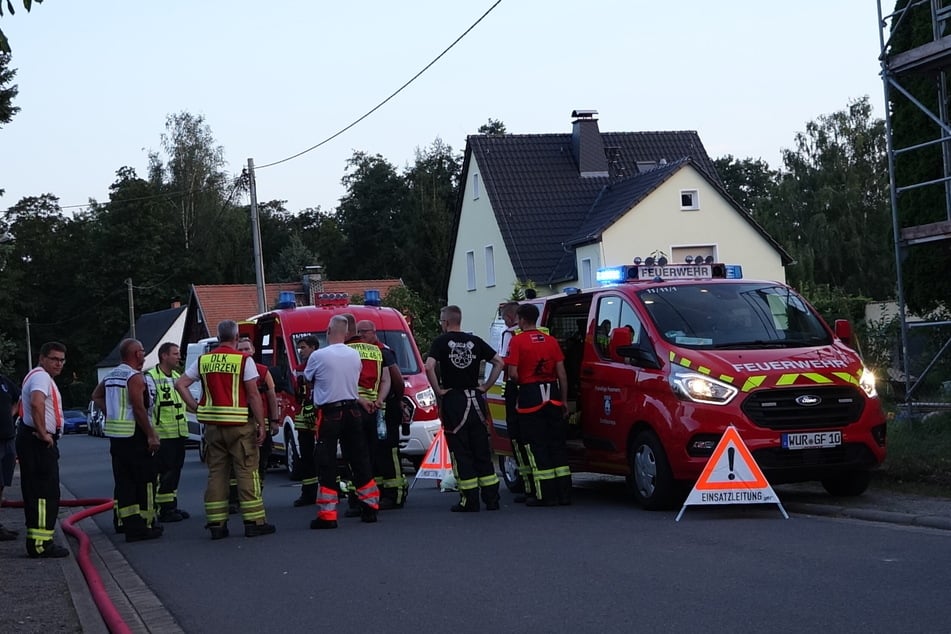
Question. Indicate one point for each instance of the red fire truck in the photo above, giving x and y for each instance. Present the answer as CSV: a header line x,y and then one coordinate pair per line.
x,y
275,335
661,359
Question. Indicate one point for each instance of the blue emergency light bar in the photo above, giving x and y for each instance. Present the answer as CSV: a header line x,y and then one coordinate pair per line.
x,y
642,272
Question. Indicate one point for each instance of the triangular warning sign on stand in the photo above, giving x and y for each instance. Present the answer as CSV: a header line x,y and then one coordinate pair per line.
x,y
731,476
436,464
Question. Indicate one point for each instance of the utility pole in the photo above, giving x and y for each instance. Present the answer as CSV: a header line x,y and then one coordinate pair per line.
x,y
29,347
128,282
256,237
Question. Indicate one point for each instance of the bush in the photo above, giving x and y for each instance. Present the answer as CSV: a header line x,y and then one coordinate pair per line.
x,y
919,451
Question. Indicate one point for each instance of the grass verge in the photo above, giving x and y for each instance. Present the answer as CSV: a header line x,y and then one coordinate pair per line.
x,y
919,456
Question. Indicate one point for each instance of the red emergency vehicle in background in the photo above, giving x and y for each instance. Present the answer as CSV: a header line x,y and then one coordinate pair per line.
x,y
663,358
275,335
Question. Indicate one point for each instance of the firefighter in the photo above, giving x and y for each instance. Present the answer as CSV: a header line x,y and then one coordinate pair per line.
x,y
373,385
168,418
535,361
304,425
229,388
511,394
123,396
387,466
334,372
464,410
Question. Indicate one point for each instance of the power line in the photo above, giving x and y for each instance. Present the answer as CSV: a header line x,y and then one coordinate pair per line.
x,y
382,103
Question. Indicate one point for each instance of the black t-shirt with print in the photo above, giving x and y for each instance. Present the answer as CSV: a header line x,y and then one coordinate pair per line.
x,y
459,355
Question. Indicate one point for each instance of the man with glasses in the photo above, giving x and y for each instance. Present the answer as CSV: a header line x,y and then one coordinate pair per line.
x,y
42,412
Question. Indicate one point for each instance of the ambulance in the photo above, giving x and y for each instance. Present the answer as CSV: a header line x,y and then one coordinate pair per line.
x,y
662,358
275,335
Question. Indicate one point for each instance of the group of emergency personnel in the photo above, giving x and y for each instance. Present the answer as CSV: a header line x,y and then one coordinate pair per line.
x,y
351,391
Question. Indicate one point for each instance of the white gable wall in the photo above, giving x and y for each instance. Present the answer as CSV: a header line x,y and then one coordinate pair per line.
x,y
477,230
174,334
657,223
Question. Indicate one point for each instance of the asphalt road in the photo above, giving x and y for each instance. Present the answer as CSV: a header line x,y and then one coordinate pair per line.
x,y
601,565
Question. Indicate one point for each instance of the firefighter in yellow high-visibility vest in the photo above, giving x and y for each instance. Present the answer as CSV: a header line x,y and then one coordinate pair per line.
x,y
168,418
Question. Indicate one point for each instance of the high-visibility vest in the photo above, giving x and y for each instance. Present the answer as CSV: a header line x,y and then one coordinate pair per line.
x,y
120,421
368,386
168,408
223,398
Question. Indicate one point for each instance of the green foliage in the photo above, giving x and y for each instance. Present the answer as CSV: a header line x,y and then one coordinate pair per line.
x,y
518,289
8,350
422,315
920,451
27,4
8,90
749,182
493,127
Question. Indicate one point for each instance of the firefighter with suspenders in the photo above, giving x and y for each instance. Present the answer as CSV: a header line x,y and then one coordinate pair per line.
x,y
168,418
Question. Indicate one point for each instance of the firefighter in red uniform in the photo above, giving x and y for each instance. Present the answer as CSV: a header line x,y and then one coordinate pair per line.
x,y
535,361
229,389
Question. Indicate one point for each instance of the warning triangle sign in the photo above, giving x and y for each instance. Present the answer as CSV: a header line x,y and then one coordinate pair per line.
x,y
436,464
731,476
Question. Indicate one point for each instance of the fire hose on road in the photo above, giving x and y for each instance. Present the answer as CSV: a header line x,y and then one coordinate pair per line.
x,y
107,609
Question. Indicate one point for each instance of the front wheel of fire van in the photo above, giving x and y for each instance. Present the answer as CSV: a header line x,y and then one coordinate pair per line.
x,y
847,483
651,480
510,475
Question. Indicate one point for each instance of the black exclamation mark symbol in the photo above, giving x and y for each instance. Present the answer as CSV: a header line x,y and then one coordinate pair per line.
x,y
730,455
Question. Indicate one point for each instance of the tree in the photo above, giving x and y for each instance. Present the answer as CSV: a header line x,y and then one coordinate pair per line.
x,y
433,183
833,214
27,4
369,217
8,91
492,127
750,182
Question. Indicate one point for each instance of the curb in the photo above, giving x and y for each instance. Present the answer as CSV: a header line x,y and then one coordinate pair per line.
x,y
139,607
871,515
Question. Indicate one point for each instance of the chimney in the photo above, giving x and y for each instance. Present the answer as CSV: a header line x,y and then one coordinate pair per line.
x,y
587,146
176,304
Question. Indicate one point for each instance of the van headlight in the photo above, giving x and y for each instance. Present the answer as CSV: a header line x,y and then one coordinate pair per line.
x,y
867,383
701,388
426,398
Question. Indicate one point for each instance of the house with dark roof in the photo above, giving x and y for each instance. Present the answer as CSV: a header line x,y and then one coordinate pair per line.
x,y
211,303
550,209
152,329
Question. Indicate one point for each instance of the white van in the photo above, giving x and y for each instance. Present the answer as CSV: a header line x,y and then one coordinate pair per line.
x,y
195,429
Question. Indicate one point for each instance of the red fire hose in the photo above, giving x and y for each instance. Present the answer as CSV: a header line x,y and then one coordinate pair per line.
x,y
107,609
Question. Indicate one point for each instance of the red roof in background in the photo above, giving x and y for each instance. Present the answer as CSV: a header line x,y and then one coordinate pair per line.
x,y
240,301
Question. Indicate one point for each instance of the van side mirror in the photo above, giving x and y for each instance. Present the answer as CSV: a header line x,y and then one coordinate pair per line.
x,y
620,337
843,330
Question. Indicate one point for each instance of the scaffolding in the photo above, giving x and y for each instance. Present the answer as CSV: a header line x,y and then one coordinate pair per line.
x,y
932,60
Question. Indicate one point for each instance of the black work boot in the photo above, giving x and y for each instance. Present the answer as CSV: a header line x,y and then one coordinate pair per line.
x,y
468,502
218,531
256,530
308,495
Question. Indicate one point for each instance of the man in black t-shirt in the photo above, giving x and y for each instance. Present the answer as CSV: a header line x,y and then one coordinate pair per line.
x,y
9,399
464,410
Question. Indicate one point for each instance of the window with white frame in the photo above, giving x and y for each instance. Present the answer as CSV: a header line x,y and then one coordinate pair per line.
x,y
586,280
470,271
475,187
489,266
689,200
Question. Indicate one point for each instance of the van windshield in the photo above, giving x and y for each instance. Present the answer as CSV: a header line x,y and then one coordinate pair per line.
x,y
733,316
398,340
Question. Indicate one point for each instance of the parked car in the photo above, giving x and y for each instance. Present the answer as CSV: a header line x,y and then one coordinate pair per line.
x,y
94,420
74,421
